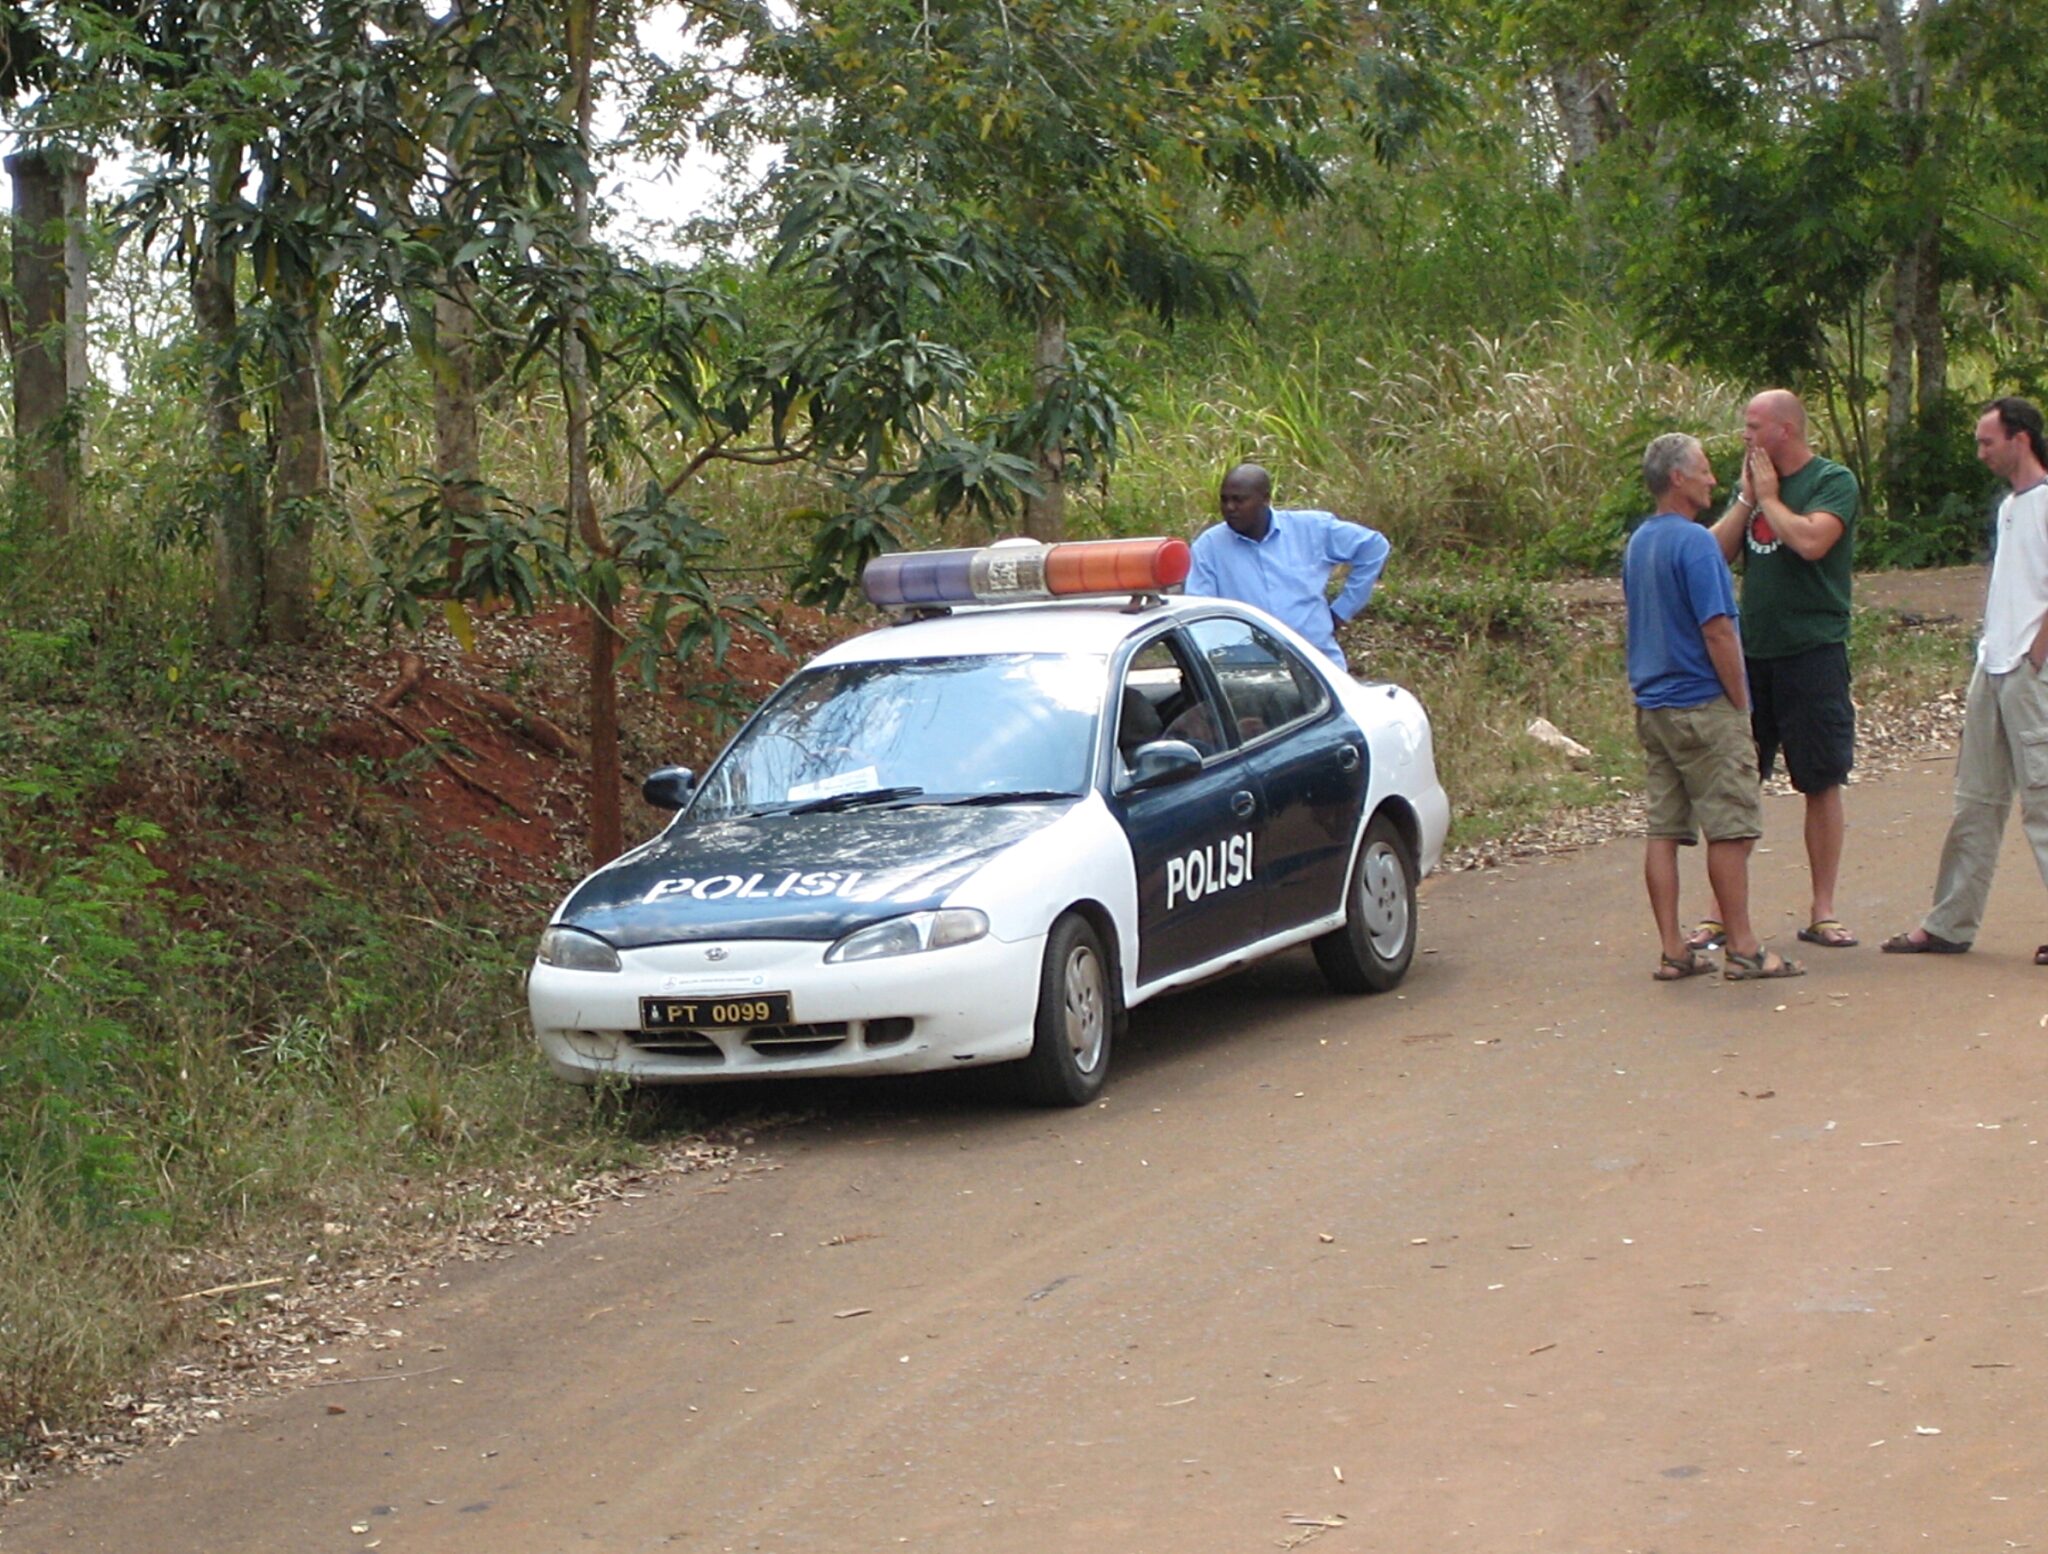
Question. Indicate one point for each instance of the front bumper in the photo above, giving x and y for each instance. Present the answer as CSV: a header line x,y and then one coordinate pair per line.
x,y
952,1008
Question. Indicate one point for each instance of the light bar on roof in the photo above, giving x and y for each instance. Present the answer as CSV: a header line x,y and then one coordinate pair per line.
x,y
1014,571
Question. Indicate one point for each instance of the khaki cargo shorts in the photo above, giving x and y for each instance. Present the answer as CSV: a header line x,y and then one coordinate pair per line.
x,y
1702,772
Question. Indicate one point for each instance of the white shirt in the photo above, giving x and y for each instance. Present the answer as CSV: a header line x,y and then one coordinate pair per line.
x,y
2017,602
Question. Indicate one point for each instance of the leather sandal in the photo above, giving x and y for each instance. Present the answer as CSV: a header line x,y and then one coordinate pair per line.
x,y
1763,966
1829,933
1676,968
1928,944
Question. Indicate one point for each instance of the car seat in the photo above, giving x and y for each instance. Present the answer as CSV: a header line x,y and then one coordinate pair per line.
x,y
1138,722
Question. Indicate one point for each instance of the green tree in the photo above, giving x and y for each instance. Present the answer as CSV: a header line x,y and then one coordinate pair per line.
x,y
1810,192
270,130
1084,157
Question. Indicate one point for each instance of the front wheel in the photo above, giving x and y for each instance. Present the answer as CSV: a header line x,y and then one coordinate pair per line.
x,y
1371,952
1076,1017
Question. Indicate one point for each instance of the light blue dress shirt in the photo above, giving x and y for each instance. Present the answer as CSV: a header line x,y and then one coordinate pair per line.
x,y
1287,574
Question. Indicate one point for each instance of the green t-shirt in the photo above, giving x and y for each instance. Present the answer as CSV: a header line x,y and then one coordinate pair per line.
x,y
1790,604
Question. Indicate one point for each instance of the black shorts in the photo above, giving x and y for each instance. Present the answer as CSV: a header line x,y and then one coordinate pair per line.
x,y
1800,704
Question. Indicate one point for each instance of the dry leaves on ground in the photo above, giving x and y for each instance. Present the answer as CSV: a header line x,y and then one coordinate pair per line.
x,y
281,1339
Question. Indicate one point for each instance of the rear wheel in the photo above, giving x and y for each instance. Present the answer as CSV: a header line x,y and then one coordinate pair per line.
x,y
1371,952
1076,1017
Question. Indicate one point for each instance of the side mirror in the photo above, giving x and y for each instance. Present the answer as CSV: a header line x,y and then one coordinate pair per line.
x,y
670,787
1164,761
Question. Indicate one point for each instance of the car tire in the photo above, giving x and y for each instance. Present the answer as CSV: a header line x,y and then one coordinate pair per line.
x,y
1076,1019
1371,952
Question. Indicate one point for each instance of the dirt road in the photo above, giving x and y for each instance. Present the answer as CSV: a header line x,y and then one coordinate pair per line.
x,y
1536,1255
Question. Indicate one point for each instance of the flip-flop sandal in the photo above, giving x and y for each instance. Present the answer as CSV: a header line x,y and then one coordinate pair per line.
x,y
1711,934
1676,968
1931,944
1759,967
1828,931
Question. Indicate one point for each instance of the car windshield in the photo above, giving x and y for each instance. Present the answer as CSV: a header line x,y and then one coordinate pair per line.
x,y
914,731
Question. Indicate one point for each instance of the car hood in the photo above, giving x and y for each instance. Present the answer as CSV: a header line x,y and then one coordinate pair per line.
x,y
795,876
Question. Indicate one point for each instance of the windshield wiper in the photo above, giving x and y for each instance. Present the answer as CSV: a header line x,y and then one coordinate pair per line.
x,y
1012,796
863,799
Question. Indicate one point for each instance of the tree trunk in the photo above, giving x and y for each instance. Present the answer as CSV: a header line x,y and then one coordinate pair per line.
x,y
49,330
607,833
299,489
1930,333
1916,373
236,510
458,461
1587,109
1898,383
452,358
1045,515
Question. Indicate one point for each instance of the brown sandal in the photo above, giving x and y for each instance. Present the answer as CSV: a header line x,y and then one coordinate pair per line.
x,y
1830,933
1676,968
1933,944
1763,966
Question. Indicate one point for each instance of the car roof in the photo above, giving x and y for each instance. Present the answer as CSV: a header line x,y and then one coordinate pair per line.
x,y
1096,628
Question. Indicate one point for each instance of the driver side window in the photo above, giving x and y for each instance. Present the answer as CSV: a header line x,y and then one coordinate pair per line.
x,y
1161,697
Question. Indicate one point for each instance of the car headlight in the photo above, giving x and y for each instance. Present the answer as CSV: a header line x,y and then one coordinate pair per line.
x,y
908,935
574,950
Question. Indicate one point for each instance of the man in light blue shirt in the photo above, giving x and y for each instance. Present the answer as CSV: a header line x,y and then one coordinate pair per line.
x,y
1281,560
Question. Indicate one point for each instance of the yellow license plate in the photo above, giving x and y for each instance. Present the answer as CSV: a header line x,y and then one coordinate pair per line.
x,y
724,1012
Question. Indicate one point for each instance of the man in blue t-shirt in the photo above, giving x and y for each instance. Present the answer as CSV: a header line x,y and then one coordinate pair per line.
x,y
1280,559
1692,713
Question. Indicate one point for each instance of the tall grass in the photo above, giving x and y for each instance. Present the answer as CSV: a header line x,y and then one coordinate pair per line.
x,y
1525,444
1488,650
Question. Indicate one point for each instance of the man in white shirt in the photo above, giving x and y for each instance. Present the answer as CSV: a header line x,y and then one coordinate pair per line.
x,y
2005,720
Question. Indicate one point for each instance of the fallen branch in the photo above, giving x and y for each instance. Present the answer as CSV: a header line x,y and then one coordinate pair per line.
x,y
454,768
540,730
226,1289
357,1381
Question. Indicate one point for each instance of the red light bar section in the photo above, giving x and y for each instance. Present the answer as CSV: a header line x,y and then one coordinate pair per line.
x,y
1013,572
1116,566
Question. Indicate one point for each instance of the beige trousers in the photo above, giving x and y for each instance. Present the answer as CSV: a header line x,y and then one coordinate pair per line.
x,y
2004,747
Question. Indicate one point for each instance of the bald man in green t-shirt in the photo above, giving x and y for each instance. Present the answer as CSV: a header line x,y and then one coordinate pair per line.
x,y
1793,527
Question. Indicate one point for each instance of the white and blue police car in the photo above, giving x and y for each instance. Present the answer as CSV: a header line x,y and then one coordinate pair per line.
x,y
1049,792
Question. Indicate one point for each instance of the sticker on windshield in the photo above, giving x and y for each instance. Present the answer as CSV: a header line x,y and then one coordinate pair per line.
x,y
1223,865
831,787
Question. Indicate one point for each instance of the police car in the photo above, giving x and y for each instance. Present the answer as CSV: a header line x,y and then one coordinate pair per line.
x,y
986,832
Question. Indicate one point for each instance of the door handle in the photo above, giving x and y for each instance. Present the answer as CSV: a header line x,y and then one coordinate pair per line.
x,y
1347,759
1242,803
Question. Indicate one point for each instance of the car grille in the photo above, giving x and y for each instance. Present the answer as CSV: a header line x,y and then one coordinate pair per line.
x,y
678,1044
779,1041
796,1040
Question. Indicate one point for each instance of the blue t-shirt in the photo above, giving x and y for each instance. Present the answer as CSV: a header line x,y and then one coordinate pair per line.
x,y
1288,572
1675,582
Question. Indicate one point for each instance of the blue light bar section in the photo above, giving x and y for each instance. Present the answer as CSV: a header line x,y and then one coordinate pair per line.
x,y
909,578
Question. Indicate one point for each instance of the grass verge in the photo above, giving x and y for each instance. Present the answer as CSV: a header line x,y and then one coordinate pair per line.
x,y
223,1018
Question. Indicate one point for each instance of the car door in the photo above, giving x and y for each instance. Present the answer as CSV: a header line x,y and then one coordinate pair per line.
x,y
1309,759
1195,841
